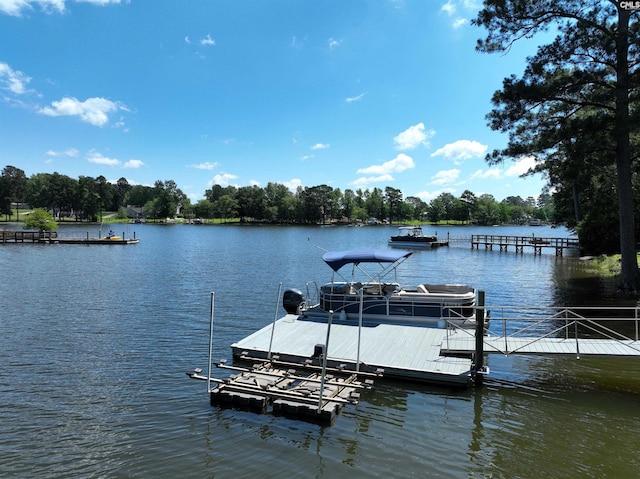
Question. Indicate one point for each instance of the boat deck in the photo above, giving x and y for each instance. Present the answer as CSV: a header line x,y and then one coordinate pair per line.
x,y
417,244
402,351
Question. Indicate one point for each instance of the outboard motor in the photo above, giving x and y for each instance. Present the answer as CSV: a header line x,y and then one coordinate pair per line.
x,y
291,300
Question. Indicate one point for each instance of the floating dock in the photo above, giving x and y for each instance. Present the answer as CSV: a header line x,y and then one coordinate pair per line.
x,y
297,374
89,241
300,391
403,351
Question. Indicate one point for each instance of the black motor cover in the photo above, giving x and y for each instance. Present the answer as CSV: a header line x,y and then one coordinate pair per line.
x,y
291,300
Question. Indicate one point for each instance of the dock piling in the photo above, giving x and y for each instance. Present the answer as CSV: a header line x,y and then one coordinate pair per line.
x,y
478,363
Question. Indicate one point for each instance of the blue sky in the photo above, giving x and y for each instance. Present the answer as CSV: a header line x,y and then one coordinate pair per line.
x,y
348,93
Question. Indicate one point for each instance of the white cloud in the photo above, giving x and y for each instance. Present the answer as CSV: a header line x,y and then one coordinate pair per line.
x,y
445,177
459,22
292,184
70,152
133,164
187,40
94,111
298,43
355,98
16,7
412,137
461,150
521,166
449,8
307,157
427,196
223,179
99,159
333,43
14,81
320,146
363,181
254,182
207,165
398,164
208,41
491,173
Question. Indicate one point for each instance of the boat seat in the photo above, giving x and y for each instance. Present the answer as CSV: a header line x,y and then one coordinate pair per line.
x,y
422,289
389,289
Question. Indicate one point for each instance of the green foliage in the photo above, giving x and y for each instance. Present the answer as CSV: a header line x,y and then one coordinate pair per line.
x,y
40,220
574,110
122,214
87,198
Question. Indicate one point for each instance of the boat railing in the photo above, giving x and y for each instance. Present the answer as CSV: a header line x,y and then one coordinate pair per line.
x,y
312,294
373,301
513,323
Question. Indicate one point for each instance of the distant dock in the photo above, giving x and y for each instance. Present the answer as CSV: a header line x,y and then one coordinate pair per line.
x,y
520,243
51,237
9,237
105,240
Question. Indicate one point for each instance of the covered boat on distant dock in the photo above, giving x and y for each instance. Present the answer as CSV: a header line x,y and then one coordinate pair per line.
x,y
373,299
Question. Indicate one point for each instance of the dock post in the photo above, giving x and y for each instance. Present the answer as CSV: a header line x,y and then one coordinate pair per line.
x,y
211,310
275,318
478,364
324,363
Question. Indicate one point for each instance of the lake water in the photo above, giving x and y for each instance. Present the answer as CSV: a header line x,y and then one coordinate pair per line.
x,y
95,342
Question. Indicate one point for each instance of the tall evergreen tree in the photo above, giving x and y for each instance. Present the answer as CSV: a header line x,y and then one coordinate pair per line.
x,y
582,86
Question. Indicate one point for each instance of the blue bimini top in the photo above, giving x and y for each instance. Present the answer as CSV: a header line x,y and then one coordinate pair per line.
x,y
337,259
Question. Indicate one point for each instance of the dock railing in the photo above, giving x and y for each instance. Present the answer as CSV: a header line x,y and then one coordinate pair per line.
x,y
519,243
516,328
27,236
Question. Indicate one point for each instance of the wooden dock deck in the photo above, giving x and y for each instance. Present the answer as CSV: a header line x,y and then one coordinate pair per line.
x,y
19,237
520,243
404,352
52,237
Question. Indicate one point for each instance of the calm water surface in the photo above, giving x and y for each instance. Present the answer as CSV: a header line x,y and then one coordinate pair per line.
x,y
95,341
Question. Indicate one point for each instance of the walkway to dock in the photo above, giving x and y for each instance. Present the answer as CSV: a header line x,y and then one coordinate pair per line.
x,y
603,332
520,243
27,236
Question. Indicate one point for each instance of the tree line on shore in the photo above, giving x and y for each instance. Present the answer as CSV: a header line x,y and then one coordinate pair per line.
x,y
575,109
86,198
